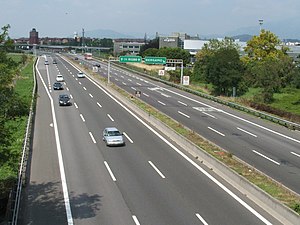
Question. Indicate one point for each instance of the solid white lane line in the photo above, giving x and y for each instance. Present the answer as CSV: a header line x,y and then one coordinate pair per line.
x,y
91,95
135,220
129,139
209,115
199,168
76,106
109,116
182,103
146,95
187,116
60,157
161,103
79,82
67,88
216,131
295,154
82,117
110,172
133,88
99,104
93,139
201,219
266,157
124,83
156,169
84,88
71,96
247,132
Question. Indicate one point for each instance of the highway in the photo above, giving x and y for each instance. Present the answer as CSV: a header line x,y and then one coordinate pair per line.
x,y
76,179
270,148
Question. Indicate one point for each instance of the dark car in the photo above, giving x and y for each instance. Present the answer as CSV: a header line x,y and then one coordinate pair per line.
x,y
54,61
58,86
97,65
64,99
76,58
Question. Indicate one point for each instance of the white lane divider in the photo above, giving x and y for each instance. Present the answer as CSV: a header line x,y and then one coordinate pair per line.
x,y
182,103
76,106
84,88
295,154
139,84
124,83
79,82
116,79
266,157
71,96
91,95
109,116
129,139
129,80
209,115
218,132
92,137
133,88
161,103
247,132
201,219
67,88
110,172
156,169
81,116
181,113
146,95
167,96
99,104
135,220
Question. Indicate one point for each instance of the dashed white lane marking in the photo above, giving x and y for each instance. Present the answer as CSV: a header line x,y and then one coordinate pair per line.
x,y
76,78
110,172
182,103
139,84
135,220
218,132
295,154
167,96
161,103
129,139
84,88
99,104
79,82
92,137
266,157
247,132
146,95
157,170
116,79
124,83
67,88
109,116
71,96
76,106
181,113
81,116
122,76
201,219
91,95
209,115
133,88
129,80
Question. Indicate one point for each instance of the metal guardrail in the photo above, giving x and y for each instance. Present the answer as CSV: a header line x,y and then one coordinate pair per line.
x,y
286,123
16,193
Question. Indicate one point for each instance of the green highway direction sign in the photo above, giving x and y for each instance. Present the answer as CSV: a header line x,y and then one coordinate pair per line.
x,y
130,59
155,60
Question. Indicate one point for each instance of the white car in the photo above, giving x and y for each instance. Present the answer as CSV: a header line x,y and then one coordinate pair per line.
x,y
113,137
59,78
80,74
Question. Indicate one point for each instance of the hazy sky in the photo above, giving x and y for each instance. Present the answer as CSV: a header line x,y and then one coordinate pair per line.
x,y
60,18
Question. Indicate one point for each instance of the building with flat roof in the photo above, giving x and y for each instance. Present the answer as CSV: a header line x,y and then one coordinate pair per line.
x,y
130,46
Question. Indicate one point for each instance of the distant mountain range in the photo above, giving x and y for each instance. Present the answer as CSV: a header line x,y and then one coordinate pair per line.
x,y
105,33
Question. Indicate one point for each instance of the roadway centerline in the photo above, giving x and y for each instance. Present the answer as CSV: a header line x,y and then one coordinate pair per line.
x,y
156,169
218,132
247,132
109,116
161,103
92,137
135,220
182,103
110,172
129,139
295,154
82,117
99,104
201,219
187,116
266,157
209,115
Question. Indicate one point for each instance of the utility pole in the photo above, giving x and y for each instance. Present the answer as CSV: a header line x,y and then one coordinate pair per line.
x,y
260,24
82,42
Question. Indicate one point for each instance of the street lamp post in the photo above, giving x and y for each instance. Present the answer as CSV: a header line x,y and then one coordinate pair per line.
x,y
260,23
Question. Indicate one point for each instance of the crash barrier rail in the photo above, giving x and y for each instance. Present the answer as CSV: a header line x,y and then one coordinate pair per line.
x,y
286,123
15,196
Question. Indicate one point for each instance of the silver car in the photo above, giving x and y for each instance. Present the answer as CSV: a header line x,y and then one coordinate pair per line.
x,y
113,137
